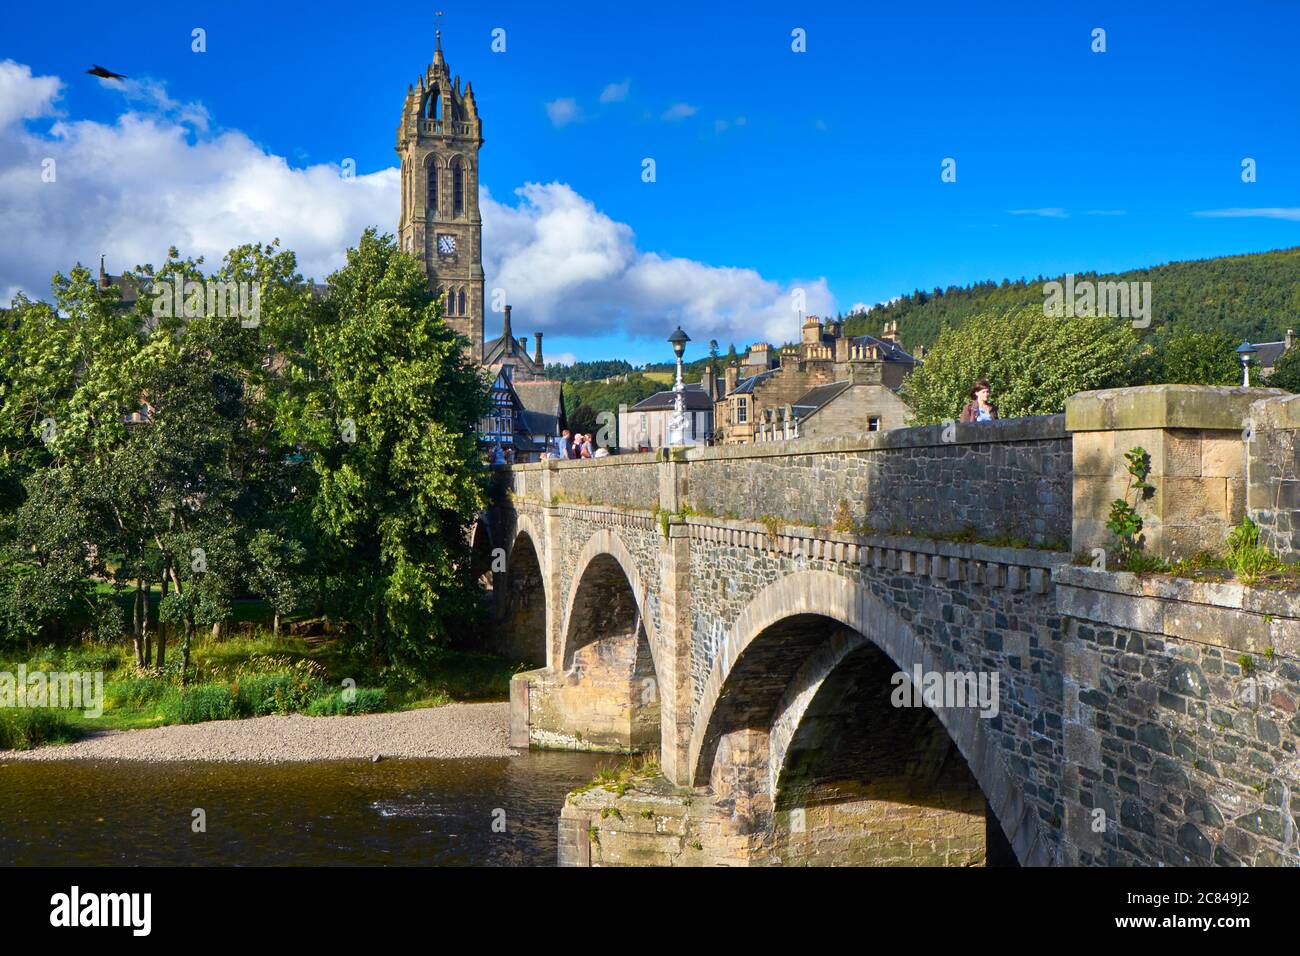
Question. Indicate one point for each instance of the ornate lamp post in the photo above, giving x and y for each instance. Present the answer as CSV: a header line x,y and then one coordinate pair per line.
x,y
678,425
1246,352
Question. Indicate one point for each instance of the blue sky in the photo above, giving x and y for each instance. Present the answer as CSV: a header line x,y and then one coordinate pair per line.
x,y
817,169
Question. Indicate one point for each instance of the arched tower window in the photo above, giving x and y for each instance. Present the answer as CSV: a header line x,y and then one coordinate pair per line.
x,y
434,105
461,304
432,170
458,187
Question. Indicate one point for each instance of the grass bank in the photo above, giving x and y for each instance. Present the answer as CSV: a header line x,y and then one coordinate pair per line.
x,y
246,675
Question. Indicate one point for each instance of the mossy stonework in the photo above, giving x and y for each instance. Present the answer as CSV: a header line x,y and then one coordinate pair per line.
x,y
760,655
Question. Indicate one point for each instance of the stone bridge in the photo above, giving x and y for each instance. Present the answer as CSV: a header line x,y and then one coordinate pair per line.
x,y
747,614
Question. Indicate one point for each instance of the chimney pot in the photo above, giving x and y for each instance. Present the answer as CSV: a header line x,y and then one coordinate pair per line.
x,y
537,353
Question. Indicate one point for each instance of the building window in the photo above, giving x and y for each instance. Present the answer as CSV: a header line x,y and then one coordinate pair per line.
x,y
458,187
873,423
435,104
432,170
742,411
460,308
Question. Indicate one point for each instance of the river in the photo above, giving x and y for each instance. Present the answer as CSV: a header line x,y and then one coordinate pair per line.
x,y
494,812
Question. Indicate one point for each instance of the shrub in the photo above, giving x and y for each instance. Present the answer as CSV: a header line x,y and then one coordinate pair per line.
x,y
23,728
195,704
137,692
283,693
1247,558
367,700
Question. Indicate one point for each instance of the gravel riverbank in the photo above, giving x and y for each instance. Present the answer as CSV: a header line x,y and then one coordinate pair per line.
x,y
456,730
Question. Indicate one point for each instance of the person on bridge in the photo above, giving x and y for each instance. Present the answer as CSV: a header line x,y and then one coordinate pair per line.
x,y
566,444
979,408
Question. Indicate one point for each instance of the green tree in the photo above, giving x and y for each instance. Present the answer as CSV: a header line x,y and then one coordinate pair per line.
x,y
1286,373
1185,356
390,430
1034,363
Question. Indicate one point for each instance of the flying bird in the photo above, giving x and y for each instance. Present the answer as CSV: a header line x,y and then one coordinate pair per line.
x,y
98,70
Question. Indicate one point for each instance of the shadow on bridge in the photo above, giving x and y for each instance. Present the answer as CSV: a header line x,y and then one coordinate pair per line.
x,y
807,741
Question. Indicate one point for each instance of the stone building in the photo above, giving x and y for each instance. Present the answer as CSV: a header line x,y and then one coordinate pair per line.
x,y
646,424
828,384
1269,353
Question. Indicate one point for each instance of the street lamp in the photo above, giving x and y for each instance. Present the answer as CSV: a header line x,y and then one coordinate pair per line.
x,y
678,425
1246,352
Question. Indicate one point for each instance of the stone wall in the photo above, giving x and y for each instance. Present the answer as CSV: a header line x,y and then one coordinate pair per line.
x,y
1193,435
1006,479
1273,472
1181,732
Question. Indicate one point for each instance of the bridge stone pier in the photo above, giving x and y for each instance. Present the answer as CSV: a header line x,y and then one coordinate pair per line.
x,y
901,647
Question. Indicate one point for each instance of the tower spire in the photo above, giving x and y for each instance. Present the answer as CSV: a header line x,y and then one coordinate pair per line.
x,y
437,32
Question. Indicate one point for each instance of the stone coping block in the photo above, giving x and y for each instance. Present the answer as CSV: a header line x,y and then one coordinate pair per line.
x,y
1225,615
1163,406
1279,411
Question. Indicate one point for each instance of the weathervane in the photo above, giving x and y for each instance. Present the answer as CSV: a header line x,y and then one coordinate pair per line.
x,y
437,28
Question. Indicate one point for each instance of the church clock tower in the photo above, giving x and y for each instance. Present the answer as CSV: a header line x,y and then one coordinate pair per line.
x,y
438,140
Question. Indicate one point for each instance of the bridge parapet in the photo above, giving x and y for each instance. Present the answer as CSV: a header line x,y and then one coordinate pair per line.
x,y
1196,437
1008,479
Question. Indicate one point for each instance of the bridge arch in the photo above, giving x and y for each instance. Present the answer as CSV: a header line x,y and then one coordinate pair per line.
x,y
523,604
603,543
608,644
782,656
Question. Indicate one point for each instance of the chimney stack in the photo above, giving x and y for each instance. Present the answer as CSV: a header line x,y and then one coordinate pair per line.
x,y
729,378
706,380
537,353
505,329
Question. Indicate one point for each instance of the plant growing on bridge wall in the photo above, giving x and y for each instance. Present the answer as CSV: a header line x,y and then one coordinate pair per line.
x,y
1124,522
772,525
1246,556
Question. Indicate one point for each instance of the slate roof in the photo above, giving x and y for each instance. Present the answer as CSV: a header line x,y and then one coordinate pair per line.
x,y
1268,353
697,400
747,386
543,406
890,351
813,399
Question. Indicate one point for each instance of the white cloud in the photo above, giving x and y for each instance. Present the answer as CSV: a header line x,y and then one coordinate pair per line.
x,y
1264,212
1047,212
562,358
23,96
149,180
133,187
721,125
567,266
563,111
615,92
679,111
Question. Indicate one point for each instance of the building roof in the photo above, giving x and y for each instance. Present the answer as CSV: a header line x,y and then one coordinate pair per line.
x,y
543,404
747,386
1268,353
891,351
696,399
813,399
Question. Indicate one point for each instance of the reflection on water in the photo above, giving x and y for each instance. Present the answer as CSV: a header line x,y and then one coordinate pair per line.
x,y
398,812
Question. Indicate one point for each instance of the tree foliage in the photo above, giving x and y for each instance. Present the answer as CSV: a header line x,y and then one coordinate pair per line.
x,y
1255,297
1034,362
202,456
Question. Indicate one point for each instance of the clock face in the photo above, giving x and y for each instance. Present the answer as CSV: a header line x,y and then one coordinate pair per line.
x,y
446,245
